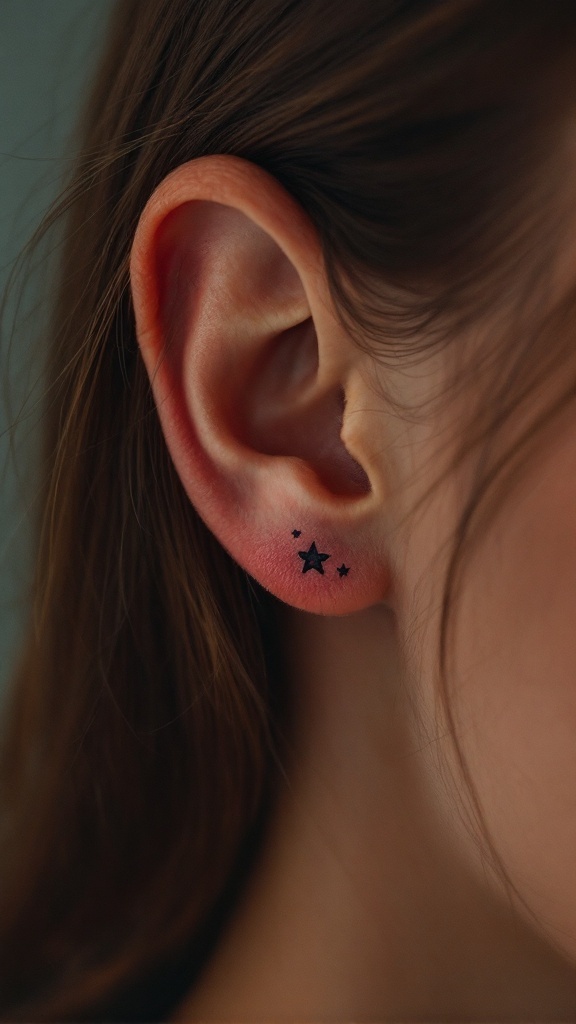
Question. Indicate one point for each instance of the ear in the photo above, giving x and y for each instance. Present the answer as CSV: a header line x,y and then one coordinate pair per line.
x,y
259,390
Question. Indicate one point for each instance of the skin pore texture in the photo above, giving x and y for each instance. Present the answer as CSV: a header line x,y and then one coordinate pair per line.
x,y
372,897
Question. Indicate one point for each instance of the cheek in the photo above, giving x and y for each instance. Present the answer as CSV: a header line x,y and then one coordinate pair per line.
x,y
512,685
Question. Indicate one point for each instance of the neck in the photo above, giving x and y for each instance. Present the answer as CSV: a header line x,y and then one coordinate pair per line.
x,y
362,903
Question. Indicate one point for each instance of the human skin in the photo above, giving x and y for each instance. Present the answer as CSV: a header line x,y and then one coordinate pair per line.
x,y
370,901
372,897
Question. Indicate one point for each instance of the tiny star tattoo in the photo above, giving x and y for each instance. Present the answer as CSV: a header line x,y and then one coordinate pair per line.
x,y
296,533
313,559
343,570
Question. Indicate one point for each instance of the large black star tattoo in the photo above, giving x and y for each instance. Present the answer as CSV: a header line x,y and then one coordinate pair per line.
x,y
313,559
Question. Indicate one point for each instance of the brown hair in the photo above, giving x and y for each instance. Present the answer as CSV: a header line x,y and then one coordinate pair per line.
x,y
143,732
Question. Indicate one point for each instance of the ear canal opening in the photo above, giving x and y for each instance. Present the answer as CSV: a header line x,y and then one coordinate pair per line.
x,y
283,413
345,477
314,436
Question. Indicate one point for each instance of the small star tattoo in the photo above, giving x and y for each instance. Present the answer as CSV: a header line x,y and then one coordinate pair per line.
x,y
296,533
343,570
313,559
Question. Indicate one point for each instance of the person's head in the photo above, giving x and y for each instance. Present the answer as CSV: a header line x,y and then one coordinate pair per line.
x,y
318,287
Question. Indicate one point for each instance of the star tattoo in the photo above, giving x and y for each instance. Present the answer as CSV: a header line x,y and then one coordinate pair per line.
x,y
296,533
313,559
343,570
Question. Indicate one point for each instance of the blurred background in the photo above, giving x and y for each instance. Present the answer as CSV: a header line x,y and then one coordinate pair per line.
x,y
48,50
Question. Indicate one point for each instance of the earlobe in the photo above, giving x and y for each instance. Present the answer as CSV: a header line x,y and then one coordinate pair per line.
x,y
247,374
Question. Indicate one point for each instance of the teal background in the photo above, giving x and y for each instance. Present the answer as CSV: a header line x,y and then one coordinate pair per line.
x,y
48,50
